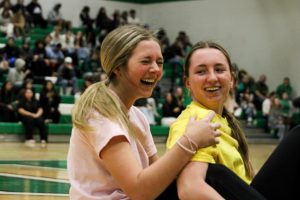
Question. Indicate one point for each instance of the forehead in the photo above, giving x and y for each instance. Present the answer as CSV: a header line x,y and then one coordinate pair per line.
x,y
147,47
208,56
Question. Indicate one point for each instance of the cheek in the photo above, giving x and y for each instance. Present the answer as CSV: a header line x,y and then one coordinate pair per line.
x,y
160,73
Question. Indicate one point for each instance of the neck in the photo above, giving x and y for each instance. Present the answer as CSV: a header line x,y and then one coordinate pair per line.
x,y
126,100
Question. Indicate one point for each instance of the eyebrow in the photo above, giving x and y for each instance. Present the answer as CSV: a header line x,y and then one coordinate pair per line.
x,y
149,57
216,65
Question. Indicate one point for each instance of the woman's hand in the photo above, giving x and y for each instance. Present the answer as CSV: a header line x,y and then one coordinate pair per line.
x,y
203,132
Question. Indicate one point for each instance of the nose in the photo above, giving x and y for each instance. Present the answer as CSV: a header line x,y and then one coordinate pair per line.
x,y
212,76
154,67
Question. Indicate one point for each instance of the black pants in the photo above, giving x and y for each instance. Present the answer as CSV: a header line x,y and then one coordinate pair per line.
x,y
278,179
170,193
30,123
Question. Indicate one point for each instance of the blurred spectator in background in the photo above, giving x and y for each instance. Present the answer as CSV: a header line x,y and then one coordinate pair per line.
x,y
4,68
85,17
67,42
267,105
164,41
147,109
17,74
102,23
40,64
170,109
30,113
35,11
6,26
67,76
261,91
19,22
285,87
27,84
8,103
12,51
55,16
132,18
49,100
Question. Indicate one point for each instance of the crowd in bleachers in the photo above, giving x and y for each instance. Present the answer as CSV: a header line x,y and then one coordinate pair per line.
x,y
253,100
52,53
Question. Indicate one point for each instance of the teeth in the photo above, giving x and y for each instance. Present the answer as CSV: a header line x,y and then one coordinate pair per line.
x,y
149,80
212,88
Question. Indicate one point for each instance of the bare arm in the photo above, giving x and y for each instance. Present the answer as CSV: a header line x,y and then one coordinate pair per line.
x,y
39,112
191,183
24,112
148,183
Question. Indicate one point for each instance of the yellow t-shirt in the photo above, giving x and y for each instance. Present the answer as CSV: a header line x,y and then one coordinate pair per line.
x,y
226,152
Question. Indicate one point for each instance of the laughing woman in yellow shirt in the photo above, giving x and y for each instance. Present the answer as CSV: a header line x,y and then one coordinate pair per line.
x,y
224,171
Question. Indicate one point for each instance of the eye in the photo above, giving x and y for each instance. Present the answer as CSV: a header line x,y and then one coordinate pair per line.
x,y
160,63
219,69
201,72
145,62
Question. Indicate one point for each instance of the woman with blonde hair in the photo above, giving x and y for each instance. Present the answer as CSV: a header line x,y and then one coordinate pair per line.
x,y
112,154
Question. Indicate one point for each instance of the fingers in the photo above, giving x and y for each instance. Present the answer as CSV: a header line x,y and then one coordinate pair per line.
x,y
216,125
209,116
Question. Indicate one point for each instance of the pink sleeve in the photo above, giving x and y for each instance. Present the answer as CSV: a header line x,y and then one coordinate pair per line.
x,y
105,130
149,144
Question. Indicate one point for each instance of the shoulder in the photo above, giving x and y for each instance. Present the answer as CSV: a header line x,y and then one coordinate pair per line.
x,y
136,115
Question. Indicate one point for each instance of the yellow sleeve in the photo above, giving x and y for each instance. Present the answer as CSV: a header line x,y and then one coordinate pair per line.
x,y
177,129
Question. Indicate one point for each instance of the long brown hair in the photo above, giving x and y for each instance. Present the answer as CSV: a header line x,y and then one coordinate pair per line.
x,y
237,132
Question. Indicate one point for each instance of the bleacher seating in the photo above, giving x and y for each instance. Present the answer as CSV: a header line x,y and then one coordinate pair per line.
x,y
65,128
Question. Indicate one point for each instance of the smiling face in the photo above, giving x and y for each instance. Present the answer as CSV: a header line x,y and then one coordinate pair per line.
x,y
143,70
209,78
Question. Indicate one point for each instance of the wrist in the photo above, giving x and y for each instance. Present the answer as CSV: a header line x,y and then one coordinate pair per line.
x,y
187,145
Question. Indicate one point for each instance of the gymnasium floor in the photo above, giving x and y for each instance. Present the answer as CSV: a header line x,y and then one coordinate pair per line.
x,y
40,173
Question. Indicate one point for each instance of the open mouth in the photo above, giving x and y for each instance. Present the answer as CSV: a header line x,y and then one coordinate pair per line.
x,y
148,81
212,89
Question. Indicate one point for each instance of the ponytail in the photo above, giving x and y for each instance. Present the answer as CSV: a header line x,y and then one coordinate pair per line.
x,y
238,134
99,98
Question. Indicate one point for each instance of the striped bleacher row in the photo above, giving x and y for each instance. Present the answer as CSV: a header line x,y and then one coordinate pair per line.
x,y
35,34
65,125
67,102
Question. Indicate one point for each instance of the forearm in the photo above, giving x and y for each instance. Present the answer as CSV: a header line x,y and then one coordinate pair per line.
x,y
161,173
191,183
39,112
24,112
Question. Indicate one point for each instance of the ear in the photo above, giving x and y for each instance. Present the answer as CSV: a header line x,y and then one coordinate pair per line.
x,y
232,81
187,82
117,71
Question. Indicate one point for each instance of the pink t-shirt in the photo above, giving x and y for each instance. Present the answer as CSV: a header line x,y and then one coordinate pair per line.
x,y
87,174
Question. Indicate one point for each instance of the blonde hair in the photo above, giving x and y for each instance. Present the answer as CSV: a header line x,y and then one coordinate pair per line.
x,y
116,49
119,44
237,132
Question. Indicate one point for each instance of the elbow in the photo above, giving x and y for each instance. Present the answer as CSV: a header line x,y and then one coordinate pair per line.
x,y
186,192
140,194
191,190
